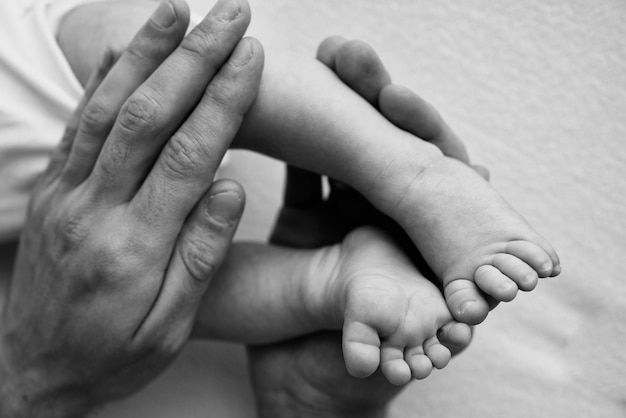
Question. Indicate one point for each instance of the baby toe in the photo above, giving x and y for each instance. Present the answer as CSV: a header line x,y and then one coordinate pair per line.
x,y
455,334
438,354
533,255
361,349
491,281
419,363
393,366
465,301
554,257
517,270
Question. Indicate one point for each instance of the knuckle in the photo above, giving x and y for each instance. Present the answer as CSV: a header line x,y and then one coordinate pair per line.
x,y
137,50
182,156
116,154
70,230
232,91
117,259
200,42
200,257
70,233
95,119
140,113
107,266
221,95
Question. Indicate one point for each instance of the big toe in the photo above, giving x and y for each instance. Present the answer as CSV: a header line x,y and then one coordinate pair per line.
x,y
361,349
465,301
455,335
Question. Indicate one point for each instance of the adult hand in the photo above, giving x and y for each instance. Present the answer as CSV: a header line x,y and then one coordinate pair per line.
x,y
125,228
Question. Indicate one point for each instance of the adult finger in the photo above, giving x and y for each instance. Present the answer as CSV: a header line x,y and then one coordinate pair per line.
x,y
327,50
410,112
199,251
60,154
356,64
191,157
152,44
360,67
159,106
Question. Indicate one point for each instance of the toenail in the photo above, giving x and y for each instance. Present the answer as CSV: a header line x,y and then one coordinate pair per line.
x,y
465,305
546,267
506,286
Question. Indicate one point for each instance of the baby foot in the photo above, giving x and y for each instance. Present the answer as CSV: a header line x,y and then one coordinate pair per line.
x,y
391,313
472,239
521,262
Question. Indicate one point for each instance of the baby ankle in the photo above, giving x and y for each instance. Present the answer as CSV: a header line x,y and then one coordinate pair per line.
x,y
319,291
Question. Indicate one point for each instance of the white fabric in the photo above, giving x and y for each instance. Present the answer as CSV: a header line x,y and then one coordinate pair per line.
x,y
38,93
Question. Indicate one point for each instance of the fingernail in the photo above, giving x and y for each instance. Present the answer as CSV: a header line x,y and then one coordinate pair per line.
x,y
242,54
224,207
164,16
226,11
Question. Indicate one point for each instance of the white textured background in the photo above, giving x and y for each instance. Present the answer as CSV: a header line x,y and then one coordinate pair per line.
x,y
537,91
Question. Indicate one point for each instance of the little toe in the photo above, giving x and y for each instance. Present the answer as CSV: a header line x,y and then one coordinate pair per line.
x,y
533,255
465,301
517,270
491,281
361,349
438,354
554,257
393,366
